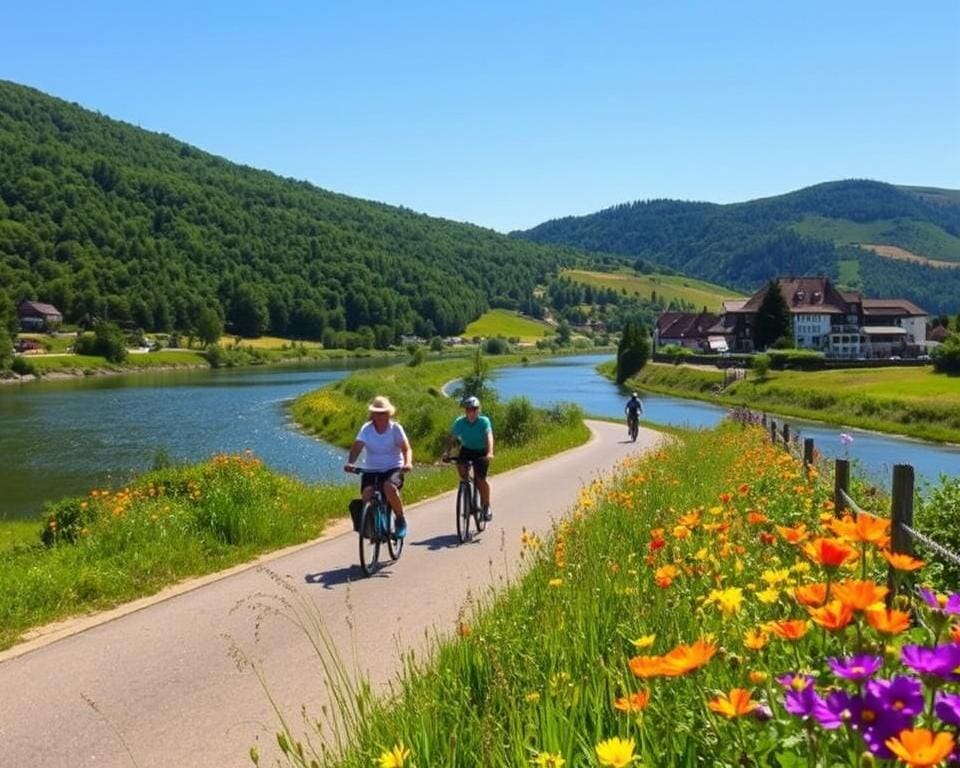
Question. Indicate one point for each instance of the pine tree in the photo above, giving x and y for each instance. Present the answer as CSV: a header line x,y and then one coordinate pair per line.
x,y
773,320
633,350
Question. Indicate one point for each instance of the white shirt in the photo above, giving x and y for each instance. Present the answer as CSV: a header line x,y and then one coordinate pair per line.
x,y
383,451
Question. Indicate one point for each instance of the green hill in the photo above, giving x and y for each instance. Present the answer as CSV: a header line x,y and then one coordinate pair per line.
x,y
104,219
867,234
666,287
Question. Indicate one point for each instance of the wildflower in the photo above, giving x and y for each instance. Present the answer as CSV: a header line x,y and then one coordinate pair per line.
x,y
736,704
687,658
774,577
948,708
859,595
644,641
888,622
920,747
646,666
802,700
870,715
790,629
942,603
664,575
830,553
548,760
941,661
395,758
833,616
769,596
757,676
463,629
636,702
755,639
856,668
902,562
532,698
680,532
811,594
690,520
767,538
845,439
955,634
901,694
794,535
863,528
729,600
755,517
555,583
615,752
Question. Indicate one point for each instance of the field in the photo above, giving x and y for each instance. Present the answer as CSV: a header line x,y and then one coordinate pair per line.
x,y
173,357
910,401
701,607
921,239
668,287
502,322
271,342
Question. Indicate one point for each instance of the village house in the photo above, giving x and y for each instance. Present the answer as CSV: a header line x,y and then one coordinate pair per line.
x,y
838,323
36,316
687,329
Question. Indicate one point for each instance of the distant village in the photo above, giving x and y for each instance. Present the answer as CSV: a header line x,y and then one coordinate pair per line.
x,y
840,324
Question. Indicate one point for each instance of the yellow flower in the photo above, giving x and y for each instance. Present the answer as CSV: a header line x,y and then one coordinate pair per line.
x,y
395,758
768,596
774,577
755,639
533,697
644,641
729,599
555,582
615,752
547,760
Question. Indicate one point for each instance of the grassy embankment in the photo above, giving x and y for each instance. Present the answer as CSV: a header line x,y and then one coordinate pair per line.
x,y
502,322
114,546
670,587
667,287
916,402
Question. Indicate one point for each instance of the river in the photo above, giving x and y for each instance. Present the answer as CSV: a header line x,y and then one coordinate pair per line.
x,y
64,438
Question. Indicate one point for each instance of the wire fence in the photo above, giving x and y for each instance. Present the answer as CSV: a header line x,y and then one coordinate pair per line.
x,y
837,473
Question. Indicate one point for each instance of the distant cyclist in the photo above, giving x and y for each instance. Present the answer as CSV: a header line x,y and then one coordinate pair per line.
x,y
475,435
388,457
634,410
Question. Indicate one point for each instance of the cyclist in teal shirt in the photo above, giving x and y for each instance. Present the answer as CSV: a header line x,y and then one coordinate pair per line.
x,y
475,436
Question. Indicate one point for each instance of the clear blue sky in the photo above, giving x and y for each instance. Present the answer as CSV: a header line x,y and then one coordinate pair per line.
x,y
510,113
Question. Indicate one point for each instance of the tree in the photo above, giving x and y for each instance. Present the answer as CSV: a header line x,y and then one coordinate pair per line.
x,y
209,326
6,349
248,311
633,350
8,314
773,320
946,357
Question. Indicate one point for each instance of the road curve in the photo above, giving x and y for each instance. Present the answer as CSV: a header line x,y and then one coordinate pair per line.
x,y
161,682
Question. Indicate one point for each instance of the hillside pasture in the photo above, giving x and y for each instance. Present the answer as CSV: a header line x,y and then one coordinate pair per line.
x,y
668,287
924,241
503,322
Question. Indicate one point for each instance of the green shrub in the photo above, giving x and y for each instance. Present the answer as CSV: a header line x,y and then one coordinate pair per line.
x,y
66,520
946,357
760,365
496,346
519,422
937,516
22,366
799,359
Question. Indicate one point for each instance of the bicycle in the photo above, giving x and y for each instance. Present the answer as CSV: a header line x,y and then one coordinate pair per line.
x,y
633,427
377,526
468,502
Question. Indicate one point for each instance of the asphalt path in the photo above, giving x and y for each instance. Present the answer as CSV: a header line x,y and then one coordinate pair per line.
x,y
160,685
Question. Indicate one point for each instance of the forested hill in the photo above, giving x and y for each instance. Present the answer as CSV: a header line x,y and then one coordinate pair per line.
x,y
104,219
883,239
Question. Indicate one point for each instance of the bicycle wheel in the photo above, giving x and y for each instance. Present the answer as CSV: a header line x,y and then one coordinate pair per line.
x,y
369,539
394,545
478,515
634,429
463,512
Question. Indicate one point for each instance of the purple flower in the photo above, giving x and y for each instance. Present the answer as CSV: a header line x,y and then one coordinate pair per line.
x,y
845,439
802,700
941,661
857,668
899,694
948,708
871,717
942,603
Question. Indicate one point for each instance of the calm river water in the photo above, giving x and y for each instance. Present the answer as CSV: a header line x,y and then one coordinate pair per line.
x,y
64,438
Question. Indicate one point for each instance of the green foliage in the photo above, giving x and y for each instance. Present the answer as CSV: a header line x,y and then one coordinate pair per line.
x,y
946,357
773,321
798,359
760,365
745,244
418,357
8,314
496,346
109,221
6,349
107,341
477,381
633,350
209,326
23,367
675,351
936,516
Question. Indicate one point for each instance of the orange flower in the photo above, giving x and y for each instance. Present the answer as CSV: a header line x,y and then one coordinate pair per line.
x,y
859,595
811,595
725,498
888,622
902,562
867,528
646,666
758,676
664,575
830,553
919,747
792,629
744,489
833,616
767,538
636,702
955,633
737,704
691,519
794,535
755,639
755,517
687,658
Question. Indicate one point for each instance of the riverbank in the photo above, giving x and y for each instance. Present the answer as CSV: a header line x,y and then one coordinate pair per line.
x,y
914,402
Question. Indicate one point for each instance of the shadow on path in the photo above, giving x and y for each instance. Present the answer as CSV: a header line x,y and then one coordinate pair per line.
x,y
337,576
445,541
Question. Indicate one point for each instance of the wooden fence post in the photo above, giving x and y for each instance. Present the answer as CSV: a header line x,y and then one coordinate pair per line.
x,y
763,419
773,431
901,513
786,435
807,452
841,482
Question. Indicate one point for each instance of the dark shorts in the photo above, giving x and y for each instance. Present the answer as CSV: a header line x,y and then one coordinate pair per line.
x,y
479,460
392,476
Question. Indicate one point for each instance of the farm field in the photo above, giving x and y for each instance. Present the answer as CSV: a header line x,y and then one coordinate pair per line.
x,y
668,287
503,322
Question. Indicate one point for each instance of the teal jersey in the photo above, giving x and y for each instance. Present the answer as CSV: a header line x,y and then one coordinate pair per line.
x,y
473,436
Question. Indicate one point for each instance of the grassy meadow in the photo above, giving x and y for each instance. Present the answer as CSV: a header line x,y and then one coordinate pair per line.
x,y
919,237
503,322
668,287
909,401
703,606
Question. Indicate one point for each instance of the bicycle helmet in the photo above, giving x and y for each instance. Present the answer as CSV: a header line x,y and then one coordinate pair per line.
x,y
470,402
633,394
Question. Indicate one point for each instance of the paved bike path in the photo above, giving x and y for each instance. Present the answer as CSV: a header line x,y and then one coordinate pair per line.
x,y
162,681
